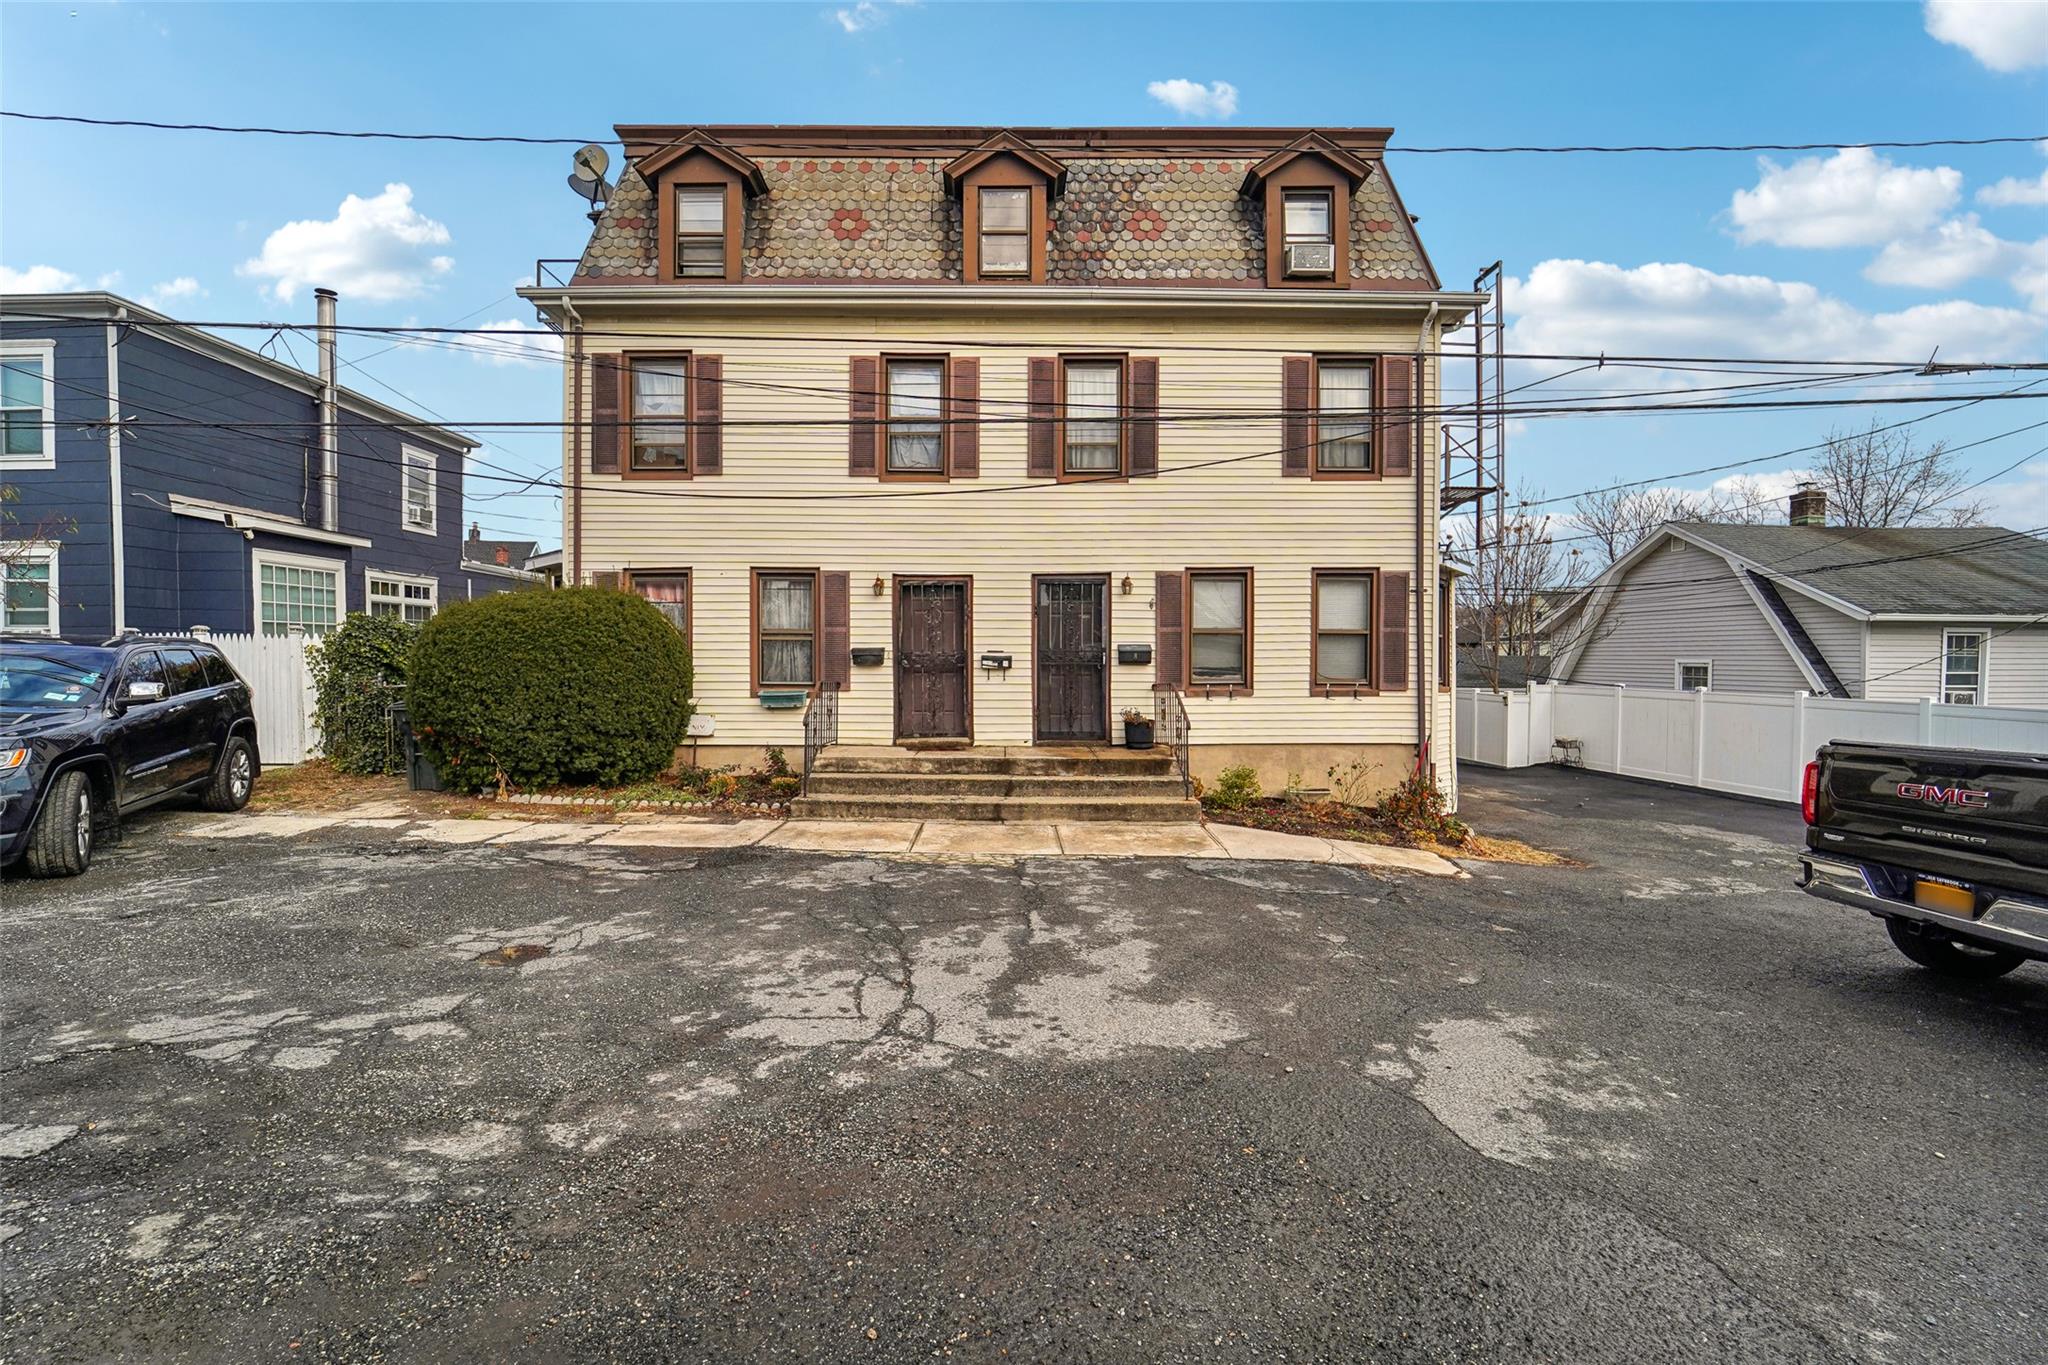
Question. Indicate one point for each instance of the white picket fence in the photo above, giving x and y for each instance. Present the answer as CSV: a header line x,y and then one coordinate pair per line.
x,y
275,668
1751,744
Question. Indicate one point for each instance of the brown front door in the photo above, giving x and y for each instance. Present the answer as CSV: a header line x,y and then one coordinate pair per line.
x,y
1072,634
931,658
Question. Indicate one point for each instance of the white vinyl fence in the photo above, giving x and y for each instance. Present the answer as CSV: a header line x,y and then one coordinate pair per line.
x,y
1751,744
275,668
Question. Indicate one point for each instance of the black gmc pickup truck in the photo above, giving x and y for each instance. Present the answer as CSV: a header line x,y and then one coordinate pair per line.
x,y
1948,846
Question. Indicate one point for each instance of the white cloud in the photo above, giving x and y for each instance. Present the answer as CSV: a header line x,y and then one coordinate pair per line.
x,y
37,279
1192,99
2013,192
1853,198
174,291
2005,35
1958,250
1591,307
377,249
867,14
2021,504
535,345
110,280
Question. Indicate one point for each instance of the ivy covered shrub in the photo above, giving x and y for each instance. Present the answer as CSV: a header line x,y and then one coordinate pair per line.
x,y
575,686
359,671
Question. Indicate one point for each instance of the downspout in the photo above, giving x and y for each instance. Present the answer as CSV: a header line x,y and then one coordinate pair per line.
x,y
330,433
114,489
1425,587
573,541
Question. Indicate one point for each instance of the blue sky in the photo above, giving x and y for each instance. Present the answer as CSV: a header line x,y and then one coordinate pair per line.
x,y
1866,256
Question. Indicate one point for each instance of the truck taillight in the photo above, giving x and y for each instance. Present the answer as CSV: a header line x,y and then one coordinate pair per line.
x,y
1809,792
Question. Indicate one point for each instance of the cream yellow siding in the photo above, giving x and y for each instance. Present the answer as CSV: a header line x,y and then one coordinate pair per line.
x,y
786,501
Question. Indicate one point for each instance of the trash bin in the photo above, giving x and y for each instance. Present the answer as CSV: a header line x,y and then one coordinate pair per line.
x,y
420,773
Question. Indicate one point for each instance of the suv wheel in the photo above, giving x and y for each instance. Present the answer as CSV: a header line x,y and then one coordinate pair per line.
x,y
60,844
1938,952
234,778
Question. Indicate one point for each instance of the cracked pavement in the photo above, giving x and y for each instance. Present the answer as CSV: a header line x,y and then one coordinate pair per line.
x,y
300,1100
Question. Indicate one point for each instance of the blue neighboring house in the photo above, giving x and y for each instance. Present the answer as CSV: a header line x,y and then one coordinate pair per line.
x,y
159,478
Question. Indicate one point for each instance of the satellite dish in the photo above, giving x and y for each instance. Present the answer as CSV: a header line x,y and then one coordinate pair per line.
x,y
593,190
590,162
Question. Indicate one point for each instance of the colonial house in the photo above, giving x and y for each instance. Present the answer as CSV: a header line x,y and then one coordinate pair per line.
x,y
1876,613
997,435
157,477
490,566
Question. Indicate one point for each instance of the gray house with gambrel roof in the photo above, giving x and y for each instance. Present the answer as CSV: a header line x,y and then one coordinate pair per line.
x,y
1887,614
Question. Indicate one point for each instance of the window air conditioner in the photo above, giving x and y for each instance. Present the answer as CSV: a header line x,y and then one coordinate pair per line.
x,y
1311,258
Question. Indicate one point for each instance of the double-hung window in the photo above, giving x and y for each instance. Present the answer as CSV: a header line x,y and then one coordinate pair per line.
x,y
1342,612
670,594
1307,215
1094,408
1219,629
402,595
1344,417
421,478
27,404
28,587
660,416
785,621
1005,230
700,231
916,435
1962,667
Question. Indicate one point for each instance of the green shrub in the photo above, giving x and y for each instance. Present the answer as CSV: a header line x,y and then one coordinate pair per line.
x,y
358,672
1418,807
1235,788
785,786
538,689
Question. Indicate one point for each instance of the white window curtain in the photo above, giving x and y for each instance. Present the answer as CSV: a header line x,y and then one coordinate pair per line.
x,y
914,406
1092,410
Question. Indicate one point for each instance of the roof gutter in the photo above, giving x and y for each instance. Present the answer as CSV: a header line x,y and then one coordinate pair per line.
x,y
979,299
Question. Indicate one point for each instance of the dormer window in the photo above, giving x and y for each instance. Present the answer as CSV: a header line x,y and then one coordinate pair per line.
x,y
700,188
1005,230
1305,190
1005,187
700,231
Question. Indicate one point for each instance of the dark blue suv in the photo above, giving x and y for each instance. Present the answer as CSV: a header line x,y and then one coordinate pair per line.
x,y
91,730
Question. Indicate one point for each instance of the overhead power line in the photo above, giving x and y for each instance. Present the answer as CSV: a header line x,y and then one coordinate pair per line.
x,y
610,139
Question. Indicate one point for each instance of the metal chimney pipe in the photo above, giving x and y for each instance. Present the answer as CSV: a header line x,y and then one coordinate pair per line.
x,y
330,428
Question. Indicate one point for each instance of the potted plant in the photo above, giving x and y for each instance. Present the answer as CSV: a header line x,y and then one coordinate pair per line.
x,y
1137,730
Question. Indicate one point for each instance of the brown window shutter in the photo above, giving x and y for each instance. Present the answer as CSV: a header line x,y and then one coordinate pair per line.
x,y
963,433
835,634
608,435
1041,460
1393,632
707,399
1297,407
1142,436
864,385
1397,415
604,580
1169,641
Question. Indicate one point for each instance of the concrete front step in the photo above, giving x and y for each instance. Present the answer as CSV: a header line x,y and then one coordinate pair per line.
x,y
826,782
1008,809
1015,762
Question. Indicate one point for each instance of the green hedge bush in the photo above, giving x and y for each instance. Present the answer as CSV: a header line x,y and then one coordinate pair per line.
x,y
550,688
358,672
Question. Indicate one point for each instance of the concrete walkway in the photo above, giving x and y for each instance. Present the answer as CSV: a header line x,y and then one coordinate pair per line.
x,y
888,837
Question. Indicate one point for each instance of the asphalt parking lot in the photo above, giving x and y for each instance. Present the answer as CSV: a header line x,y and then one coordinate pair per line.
x,y
349,1097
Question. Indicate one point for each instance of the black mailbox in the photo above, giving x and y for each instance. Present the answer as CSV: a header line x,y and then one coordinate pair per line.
x,y
995,661
867,656
1134,654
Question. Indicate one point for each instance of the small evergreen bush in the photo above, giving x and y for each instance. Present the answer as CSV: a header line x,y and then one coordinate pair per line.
x,y
358,672
1235,788
550,688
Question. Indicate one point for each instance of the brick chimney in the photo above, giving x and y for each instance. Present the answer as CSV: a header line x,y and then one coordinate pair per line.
x,y
1809,505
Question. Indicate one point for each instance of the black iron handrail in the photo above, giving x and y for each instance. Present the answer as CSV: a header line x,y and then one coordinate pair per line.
x,y
1174,730
821,728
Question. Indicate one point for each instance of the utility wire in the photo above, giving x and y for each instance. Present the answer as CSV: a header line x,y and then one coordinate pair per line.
x,y
613,140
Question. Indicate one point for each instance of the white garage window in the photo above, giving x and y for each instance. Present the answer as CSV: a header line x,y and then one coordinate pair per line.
x,y
296,590
402,595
